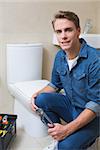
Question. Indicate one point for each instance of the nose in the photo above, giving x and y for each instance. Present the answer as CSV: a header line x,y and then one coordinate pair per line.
x,y
63,35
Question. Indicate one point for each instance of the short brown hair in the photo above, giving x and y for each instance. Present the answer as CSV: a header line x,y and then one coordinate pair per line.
x,y
67,15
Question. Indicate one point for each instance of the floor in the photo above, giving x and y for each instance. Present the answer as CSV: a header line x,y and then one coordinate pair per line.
x,y
23,141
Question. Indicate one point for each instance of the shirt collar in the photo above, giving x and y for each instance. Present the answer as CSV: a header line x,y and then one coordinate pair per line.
x,y
83,49
63,53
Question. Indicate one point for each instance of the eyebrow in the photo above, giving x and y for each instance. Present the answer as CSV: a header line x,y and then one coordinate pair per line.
x,y
66,29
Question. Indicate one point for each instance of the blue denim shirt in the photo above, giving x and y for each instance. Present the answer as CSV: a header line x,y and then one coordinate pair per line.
x,y
82,83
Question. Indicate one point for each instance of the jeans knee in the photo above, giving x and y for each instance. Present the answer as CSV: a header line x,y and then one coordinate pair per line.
x,y
69,145
40,100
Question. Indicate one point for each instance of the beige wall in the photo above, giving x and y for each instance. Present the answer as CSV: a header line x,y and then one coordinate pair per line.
x,y
98,16
30,21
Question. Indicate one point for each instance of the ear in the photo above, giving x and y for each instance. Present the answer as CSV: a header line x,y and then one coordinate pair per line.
x,y
78,32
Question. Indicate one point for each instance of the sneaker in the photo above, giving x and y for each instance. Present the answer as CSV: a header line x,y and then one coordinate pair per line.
x,y
52,146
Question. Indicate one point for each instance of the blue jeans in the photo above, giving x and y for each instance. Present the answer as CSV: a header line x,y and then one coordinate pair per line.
x,y
58,106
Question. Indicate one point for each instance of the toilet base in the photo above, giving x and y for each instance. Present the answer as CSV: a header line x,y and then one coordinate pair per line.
x,y
29,121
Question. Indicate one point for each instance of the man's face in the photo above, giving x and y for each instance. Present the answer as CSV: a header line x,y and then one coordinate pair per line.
x,y
67,33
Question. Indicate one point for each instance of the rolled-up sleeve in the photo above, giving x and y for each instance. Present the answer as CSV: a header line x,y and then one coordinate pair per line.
x,y
93,106
52,85
93,93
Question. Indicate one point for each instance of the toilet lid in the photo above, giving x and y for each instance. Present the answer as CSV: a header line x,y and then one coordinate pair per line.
x,y
23,91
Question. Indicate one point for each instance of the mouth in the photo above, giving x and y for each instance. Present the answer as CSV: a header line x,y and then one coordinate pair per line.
x,y
65,42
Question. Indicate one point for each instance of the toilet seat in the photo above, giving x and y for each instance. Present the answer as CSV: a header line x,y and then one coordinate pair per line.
x,y
24,90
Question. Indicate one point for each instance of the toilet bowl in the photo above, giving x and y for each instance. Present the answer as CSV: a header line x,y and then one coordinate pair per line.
x,y
27,119
24,71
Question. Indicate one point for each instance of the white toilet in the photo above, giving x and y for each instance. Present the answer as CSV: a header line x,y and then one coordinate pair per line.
x,y
24,73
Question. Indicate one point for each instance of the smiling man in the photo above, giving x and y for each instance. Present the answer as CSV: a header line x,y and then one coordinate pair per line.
x,y
76,70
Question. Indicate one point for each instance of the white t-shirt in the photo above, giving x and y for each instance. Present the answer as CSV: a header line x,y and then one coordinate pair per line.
x,y
72,62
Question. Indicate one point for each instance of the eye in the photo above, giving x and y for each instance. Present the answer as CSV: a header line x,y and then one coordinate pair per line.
x,y
68,29
58,31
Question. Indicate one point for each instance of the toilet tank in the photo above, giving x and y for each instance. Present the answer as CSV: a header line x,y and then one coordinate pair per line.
x,y
24,62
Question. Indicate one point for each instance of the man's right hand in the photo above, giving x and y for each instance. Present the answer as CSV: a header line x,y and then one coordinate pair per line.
x,y
47,89
33,106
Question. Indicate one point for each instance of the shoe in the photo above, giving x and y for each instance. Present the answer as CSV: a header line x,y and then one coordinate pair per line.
x,y
52,146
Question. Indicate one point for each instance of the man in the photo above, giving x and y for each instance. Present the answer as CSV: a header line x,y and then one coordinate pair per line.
x,y
76,70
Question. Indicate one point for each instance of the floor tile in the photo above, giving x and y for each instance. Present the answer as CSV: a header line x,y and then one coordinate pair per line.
x,y
25,142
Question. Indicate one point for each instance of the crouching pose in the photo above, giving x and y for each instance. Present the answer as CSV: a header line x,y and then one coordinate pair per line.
x,y
76,70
